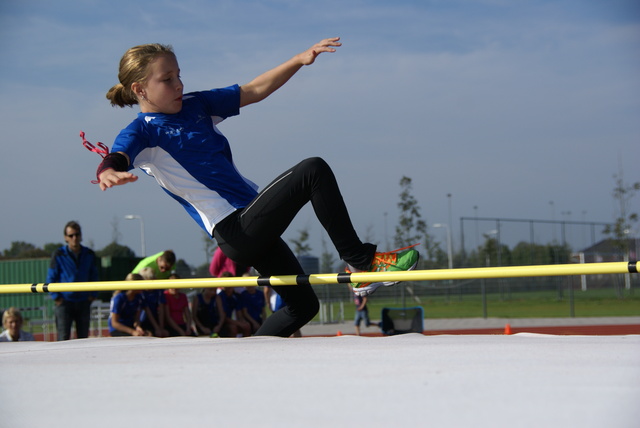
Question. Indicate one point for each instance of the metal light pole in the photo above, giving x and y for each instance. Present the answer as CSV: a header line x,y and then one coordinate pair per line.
x,y
449,197
449,248
138,217
483,285
627,277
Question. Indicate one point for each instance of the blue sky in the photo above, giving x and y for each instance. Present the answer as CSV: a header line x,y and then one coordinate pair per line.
x,y
505,105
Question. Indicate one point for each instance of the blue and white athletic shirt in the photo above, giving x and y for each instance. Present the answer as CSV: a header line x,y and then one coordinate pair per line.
x,y
189,157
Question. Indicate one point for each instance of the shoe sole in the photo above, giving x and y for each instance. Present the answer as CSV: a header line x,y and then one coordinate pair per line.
x,y
371,288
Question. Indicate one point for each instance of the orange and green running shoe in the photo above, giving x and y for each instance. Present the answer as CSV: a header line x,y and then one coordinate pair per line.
x,y
402,259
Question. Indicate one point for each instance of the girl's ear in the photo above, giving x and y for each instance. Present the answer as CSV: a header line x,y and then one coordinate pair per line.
x,y
137,89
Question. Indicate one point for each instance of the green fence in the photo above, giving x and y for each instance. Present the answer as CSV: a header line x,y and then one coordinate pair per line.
x,y
24,272
29,271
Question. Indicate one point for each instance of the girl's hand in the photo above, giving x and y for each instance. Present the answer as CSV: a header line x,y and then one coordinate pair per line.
x,y
110,177
327,45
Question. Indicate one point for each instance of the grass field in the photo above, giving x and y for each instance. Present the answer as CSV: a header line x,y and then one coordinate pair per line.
x,y
547,304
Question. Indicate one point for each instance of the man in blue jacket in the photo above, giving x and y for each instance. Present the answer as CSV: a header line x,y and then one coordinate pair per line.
x,y
73,263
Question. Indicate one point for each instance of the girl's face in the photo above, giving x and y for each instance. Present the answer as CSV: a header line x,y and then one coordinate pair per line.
x,y
162,92
13,324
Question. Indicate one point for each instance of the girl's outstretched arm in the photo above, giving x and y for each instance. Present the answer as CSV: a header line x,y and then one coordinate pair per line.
x,y
267,83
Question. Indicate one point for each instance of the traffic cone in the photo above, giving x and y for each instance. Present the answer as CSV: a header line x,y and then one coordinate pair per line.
x,y
507,329
339,333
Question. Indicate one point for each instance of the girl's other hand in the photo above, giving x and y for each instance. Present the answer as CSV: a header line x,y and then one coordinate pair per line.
x,y
110,177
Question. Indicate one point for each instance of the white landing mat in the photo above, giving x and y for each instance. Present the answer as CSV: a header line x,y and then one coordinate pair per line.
x,y
523,380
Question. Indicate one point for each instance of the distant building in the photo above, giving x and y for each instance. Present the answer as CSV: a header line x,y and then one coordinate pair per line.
x,y
607,251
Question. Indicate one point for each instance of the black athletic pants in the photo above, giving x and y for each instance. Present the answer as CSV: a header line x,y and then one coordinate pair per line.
x,y
252,237
69,312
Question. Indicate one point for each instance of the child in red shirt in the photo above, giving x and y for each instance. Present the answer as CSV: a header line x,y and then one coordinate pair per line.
x,y
178,314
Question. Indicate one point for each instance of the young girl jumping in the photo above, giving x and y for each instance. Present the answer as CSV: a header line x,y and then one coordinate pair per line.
x,y
175,139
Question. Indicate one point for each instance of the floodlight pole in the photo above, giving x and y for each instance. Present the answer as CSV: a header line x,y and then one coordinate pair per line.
x,y
449,248
142,241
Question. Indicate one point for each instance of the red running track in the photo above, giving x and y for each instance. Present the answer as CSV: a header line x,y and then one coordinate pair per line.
x,y
579,330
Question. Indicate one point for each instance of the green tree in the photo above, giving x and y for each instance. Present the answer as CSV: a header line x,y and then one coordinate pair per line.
x,y
440,258
300,245
16,248
559,254
369,234
327,259
115,226
526,253
411,228
35,253
24,250
50,247
209,246
182,269
116,250
202,271
494,254
625,221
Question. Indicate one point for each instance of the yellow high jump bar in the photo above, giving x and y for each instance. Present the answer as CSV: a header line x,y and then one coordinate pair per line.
x,y
334,278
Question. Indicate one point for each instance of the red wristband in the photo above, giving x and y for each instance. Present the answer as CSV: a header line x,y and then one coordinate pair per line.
x,y
116,161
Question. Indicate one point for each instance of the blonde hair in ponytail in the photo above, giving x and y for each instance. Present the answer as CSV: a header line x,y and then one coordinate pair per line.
x,y
134,68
